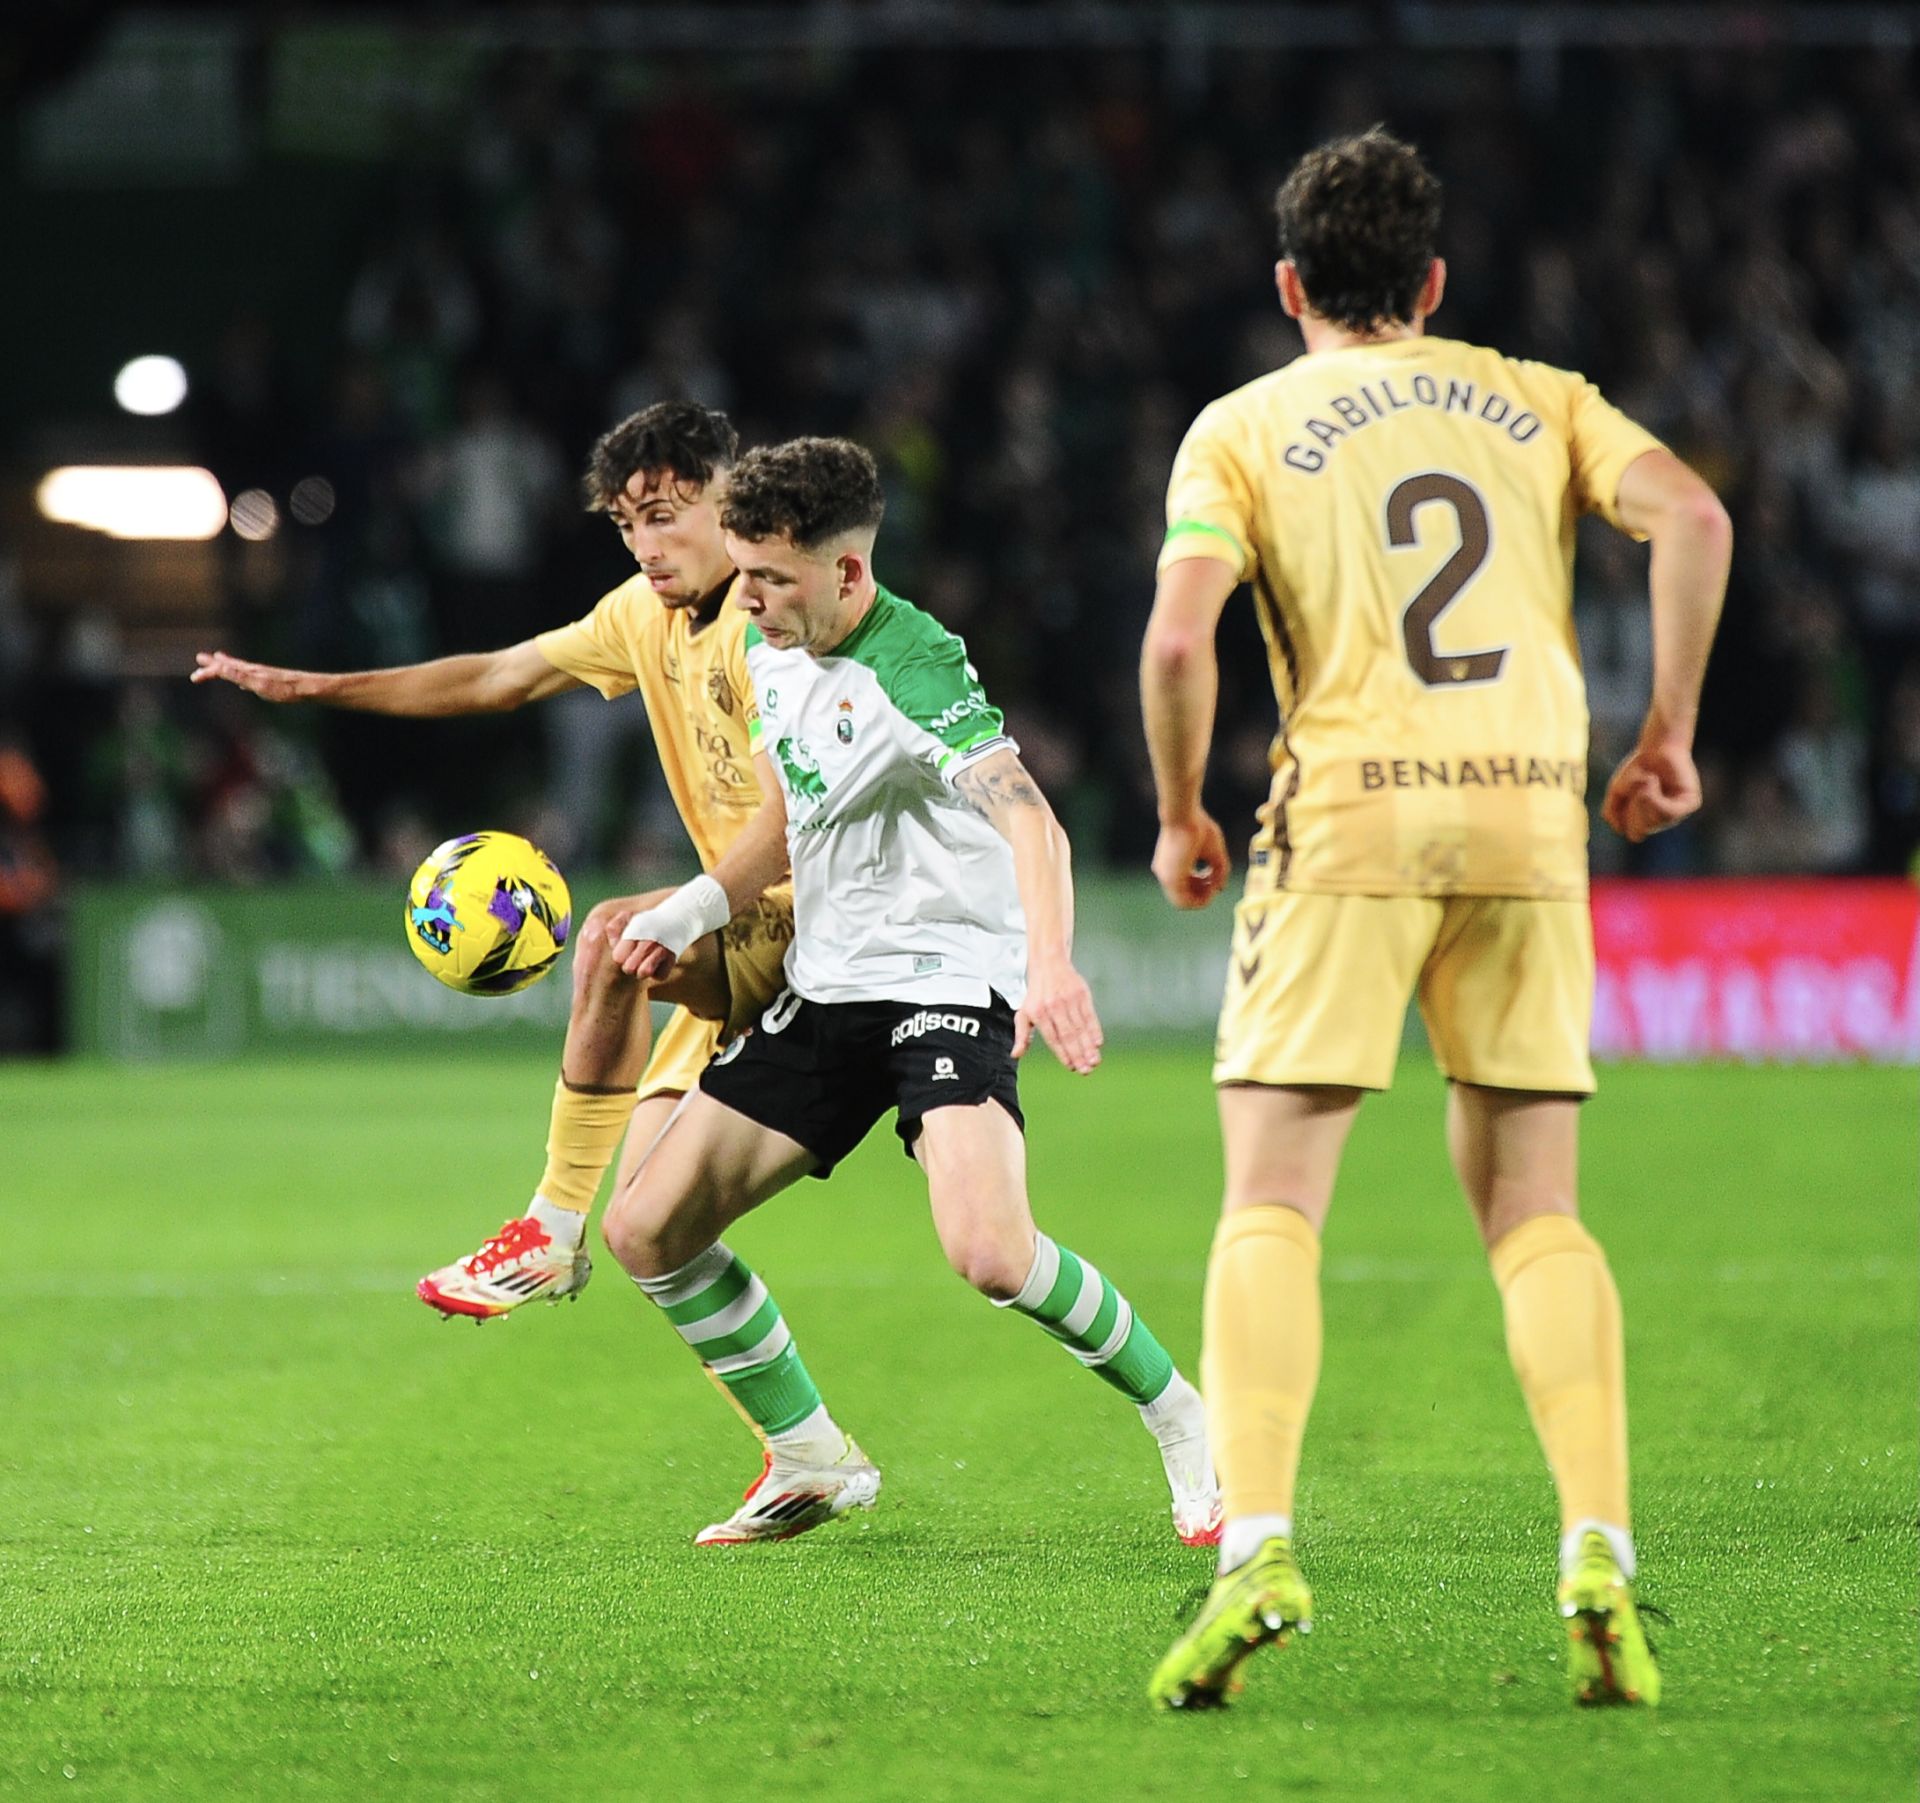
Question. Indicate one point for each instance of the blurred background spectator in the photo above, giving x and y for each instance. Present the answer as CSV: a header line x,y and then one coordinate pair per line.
x,y
29,925
1016,277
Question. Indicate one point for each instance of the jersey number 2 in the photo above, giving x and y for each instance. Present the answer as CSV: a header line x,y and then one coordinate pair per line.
x,y
1435,667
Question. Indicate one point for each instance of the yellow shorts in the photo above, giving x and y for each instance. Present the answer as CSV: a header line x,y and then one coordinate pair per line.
x,y
755,946
1317,989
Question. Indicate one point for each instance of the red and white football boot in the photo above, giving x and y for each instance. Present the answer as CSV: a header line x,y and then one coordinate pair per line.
x,y
521,1263
789,1497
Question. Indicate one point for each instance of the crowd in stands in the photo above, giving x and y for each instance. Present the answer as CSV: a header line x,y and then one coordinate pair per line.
x,y
1016,280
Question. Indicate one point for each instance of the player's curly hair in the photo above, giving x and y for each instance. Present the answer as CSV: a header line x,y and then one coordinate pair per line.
x,y
1358,219
809,490
681,440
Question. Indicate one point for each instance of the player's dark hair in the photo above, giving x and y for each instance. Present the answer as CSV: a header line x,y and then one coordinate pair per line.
x,y
809,490
1358,219
680,440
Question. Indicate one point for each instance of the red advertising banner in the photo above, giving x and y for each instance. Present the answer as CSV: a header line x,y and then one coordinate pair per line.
x,y
1806,972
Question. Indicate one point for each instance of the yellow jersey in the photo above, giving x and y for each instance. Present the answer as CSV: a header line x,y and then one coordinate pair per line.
x,y
1405,513
697,693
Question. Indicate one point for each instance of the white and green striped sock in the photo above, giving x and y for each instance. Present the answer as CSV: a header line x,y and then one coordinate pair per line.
x,y
725,1314
1087,1315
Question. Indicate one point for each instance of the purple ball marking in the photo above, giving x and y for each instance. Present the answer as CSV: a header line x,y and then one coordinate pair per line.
x,y
502,906
562,928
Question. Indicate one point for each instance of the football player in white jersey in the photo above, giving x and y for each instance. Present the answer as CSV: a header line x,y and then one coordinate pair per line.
x,y
933,938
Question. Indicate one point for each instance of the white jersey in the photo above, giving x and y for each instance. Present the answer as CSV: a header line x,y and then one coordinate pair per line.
x,y
902,891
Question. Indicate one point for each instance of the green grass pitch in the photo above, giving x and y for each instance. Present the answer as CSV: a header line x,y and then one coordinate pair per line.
x,y
270,1530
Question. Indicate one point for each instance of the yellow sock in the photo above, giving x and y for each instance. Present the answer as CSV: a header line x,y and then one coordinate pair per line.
x,y
1563,1335
581,1140
1261,1360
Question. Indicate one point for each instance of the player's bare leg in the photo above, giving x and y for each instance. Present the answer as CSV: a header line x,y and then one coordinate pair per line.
x,y
976,1165
1260,1365
1517,1156
709,1167
541,1255
650,1117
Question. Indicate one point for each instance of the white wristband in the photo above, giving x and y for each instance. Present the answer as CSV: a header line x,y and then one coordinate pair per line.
x,y
691,912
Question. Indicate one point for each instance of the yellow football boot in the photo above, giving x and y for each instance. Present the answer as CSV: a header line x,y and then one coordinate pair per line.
x,y
1608,1657
1263,1601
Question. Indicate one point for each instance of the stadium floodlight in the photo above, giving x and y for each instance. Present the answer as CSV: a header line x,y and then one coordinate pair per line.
x,y
313,501
151,385
135,501
255,515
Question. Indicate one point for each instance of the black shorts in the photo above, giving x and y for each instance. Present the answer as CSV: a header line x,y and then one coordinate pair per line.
x,y
823,1072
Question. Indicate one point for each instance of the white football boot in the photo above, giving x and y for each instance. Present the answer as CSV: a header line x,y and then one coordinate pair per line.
x,y
789,1497
520,1263
1178,1421
1196,1499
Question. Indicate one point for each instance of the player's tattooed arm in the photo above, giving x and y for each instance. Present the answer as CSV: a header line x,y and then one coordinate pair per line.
x,y
997,787
1059,1006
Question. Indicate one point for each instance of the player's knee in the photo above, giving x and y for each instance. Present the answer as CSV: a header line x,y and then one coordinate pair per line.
x,y
613,1226
593,970
655,1228
597,932
994,1265
599,985
634,1234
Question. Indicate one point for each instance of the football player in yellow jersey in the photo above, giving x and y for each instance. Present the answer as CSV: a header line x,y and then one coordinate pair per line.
x,y
665,632
1403,507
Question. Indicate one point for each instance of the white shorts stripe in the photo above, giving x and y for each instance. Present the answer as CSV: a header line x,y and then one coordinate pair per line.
x,y
765,1353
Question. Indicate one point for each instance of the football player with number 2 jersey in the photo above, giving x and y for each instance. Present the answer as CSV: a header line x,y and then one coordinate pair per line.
x,y
1403,508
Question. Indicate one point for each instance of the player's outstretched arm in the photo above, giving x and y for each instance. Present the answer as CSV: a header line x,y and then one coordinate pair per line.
x,y
481,682
1059,1004
1657,785
1179,684
651,942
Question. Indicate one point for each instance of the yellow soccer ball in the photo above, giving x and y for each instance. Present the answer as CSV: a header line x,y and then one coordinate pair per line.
x,y
488,913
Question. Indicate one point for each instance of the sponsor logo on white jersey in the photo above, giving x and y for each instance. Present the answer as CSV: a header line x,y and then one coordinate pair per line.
x,y
931,1020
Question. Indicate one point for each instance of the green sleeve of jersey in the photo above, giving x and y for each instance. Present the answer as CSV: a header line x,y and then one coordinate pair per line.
x,y
941,694
754,733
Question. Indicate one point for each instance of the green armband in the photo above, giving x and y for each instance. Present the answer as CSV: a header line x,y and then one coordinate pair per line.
x,y
1184,528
